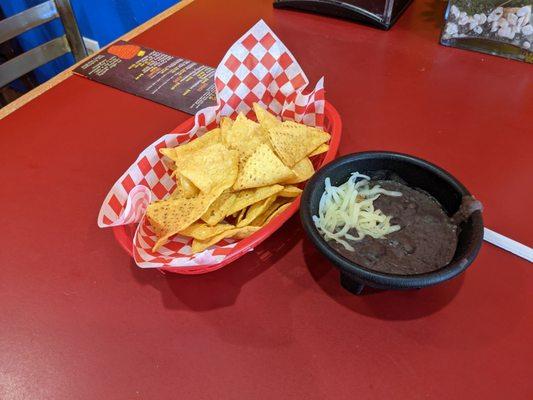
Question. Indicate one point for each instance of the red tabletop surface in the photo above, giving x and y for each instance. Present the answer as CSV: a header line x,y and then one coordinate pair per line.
x,y
78,320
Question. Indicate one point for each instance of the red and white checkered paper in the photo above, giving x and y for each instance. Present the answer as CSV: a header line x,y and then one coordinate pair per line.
x,y
257,68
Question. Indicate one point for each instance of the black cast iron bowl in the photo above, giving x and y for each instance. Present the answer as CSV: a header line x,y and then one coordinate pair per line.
x,y
418,174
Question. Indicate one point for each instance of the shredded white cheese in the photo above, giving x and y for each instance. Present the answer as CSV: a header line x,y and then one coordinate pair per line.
x,y
351,206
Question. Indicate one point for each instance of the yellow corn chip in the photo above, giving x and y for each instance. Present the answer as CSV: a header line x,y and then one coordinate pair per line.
x,y
294,124
244,232
262,168
240,128
260,220
303,170
247,197
188,188
169,152
277,212
219,209
210,167
290,191
174,214
225,125
237,233
203,231
169,158
176,193
240,216
265,119
255,210
292,141
245,136
180,191
319,150
208,138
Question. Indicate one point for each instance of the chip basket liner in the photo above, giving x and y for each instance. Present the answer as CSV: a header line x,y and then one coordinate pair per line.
x,y
257,68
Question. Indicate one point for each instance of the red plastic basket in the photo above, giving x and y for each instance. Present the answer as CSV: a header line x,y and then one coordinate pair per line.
x,y
333,125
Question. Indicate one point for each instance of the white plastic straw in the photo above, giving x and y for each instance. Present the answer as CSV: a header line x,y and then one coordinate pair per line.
x,y
510,245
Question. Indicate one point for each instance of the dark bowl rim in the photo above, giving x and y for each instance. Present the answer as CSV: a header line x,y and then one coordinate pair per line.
x,y
383,279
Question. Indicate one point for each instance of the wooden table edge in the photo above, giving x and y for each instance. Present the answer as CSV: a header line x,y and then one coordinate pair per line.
x,y
32,94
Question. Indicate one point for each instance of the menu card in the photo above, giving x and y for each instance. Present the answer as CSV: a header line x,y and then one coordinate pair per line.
x,y
173,81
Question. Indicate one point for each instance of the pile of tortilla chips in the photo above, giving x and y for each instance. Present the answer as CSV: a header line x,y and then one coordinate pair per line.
x,y
235,179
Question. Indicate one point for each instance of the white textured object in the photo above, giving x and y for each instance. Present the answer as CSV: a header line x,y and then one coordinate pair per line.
x,y
464,20
503,23
351,206
455,11
504,32
451,28
512,19
508,244
527,30
526,10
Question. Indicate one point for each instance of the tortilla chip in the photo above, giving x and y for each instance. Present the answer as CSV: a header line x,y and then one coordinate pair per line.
x,y
261,219
265,119
188,188
237,233
319,150
245,198
184,188
210,167
303,170
219,209
245,136
292,141
262,168
169,152
203,231
176,193
240,128
244,232
240,216
256,210
174,214
277,212
290,191
208,138
225,125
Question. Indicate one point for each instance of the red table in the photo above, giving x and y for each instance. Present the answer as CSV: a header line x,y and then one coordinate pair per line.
x,y
79,321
